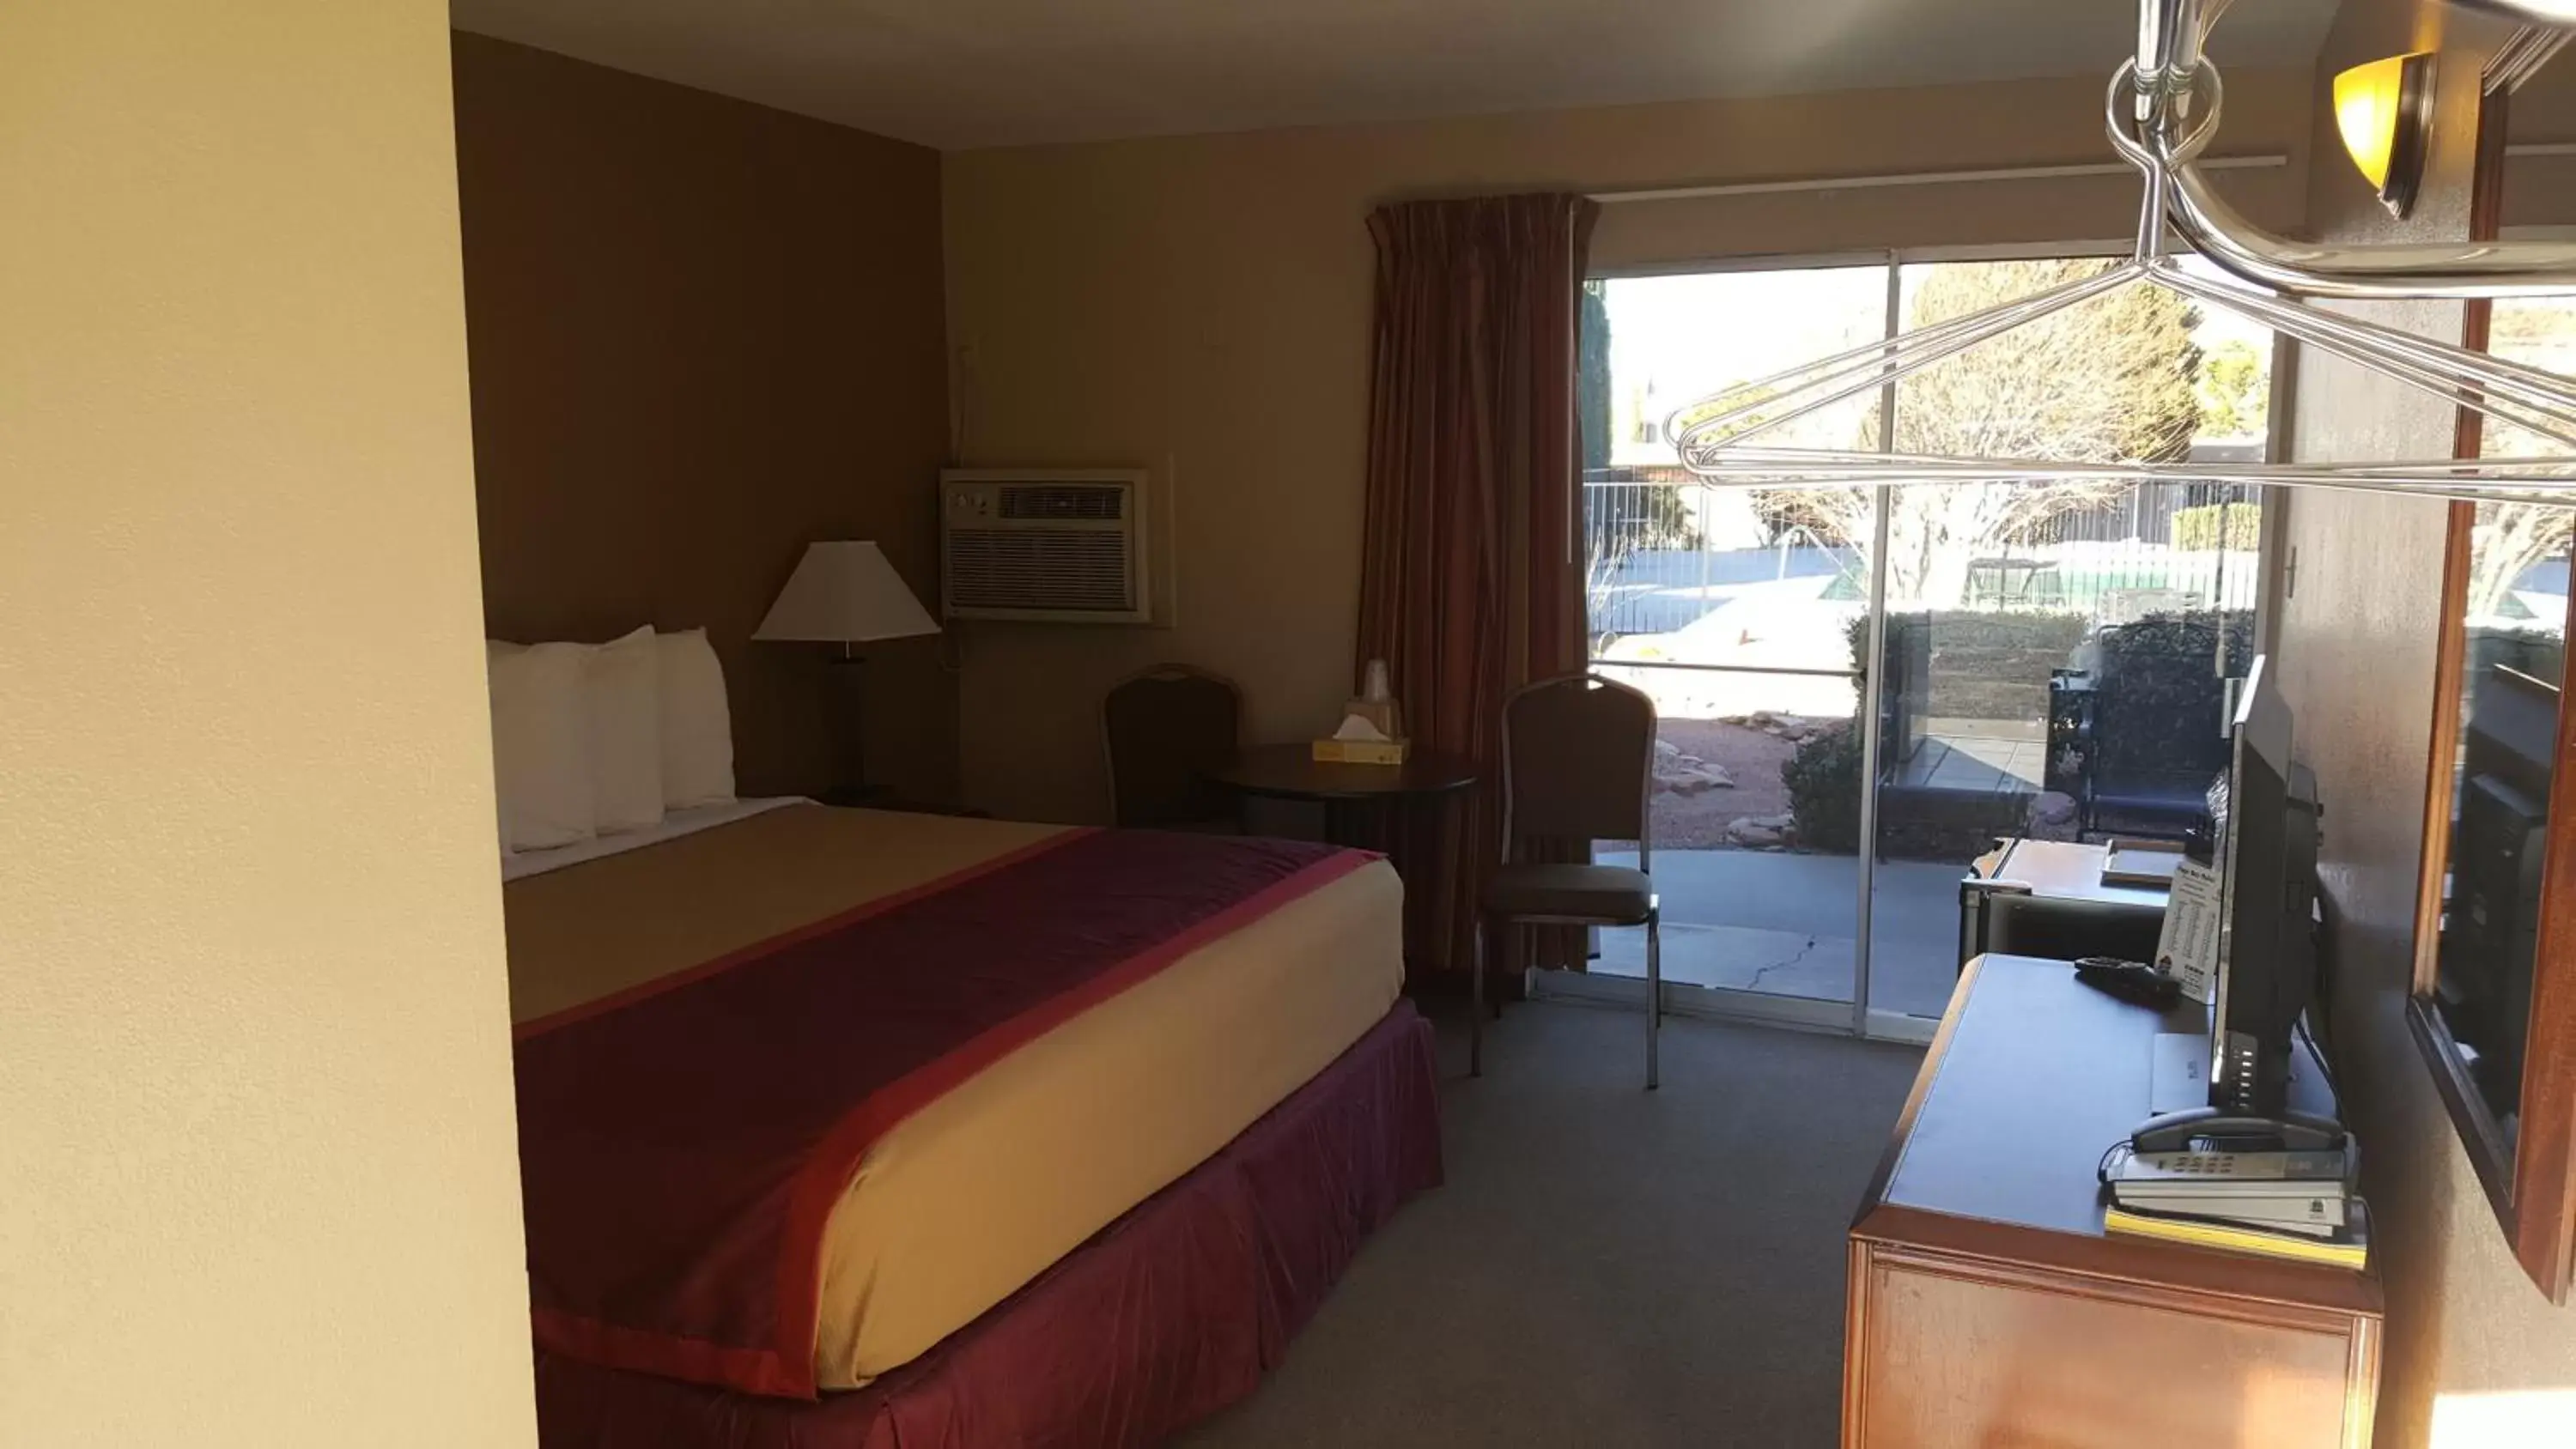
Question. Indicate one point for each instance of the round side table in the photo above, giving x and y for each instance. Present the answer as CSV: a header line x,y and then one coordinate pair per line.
x,y
1356,798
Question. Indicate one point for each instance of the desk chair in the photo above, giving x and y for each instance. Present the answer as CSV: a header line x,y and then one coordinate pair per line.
x,y
1578,763
1166,729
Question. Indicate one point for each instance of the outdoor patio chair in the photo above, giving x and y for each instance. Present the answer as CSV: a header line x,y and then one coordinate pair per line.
x,y
2137,738
1167,727
1578,760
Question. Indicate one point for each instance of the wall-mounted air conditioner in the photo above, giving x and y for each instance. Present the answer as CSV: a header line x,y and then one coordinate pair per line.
x,y
1057,546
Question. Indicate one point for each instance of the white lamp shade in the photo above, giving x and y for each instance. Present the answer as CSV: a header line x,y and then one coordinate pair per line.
x,y
845,593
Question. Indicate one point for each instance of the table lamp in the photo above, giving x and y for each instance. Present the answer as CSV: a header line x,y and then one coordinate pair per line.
x,y
846,593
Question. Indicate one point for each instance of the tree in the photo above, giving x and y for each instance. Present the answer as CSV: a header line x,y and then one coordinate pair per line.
x,y
2111,380
1621,513
2108,381
2235,384
2508,539
1592,376
2511,537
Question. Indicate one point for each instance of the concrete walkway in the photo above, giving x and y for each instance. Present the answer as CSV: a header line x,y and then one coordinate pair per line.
x,y
1783,923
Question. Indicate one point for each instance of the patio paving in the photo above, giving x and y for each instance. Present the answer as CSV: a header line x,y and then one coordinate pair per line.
x,y
1979,764
1784,923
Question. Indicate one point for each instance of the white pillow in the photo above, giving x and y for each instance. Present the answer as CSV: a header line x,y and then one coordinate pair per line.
x,y
540,765
697,724
622,703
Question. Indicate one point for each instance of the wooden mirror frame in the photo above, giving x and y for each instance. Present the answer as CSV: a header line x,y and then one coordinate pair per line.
x,y
2532,1183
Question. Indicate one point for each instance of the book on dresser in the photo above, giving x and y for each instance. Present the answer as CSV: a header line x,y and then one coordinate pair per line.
x,y
2305,1192
2346,1247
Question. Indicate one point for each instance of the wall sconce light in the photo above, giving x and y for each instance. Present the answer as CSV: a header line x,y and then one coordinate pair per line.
x,y
2385,111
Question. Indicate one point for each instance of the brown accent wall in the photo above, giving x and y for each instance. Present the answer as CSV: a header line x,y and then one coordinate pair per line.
x,y
703,333
2475,1354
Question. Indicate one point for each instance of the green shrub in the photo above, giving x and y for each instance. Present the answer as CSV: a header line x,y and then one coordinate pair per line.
x,y
2161,698
2235,527
1823,779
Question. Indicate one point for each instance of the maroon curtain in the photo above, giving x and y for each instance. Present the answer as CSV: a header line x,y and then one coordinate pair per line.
x,y
1472,577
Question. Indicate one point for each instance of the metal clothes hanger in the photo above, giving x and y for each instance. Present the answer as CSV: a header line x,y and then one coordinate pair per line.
x,y
2162,108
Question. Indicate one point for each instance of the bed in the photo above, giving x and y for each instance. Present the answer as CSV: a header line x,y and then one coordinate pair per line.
x,y
1235,1071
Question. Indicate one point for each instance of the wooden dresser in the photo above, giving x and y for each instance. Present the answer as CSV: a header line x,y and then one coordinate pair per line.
x,y
1988,1308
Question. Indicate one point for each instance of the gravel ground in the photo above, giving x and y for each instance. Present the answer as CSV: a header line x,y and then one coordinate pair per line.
x,y
1754,758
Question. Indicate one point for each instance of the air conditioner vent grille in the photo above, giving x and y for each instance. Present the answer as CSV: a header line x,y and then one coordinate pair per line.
x,y
1044,546
1064,501
1039,568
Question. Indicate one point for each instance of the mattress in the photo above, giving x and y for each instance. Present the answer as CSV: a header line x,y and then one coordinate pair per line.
x,y
979,1192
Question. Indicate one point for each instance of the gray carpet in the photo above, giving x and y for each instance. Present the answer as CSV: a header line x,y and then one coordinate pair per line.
x,y
1606,1266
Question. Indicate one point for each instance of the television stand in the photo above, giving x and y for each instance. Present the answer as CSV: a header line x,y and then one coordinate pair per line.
x,y
1988,1306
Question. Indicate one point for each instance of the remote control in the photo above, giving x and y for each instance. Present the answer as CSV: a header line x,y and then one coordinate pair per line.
x,y
2129,980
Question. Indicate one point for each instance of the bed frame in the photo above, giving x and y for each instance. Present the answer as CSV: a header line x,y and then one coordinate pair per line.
x,y
1161,1319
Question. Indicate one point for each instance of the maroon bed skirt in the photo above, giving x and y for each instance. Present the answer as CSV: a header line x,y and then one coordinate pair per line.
x,y
1165,1316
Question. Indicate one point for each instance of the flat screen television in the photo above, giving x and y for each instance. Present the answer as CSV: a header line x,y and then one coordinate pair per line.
x,y
2264,838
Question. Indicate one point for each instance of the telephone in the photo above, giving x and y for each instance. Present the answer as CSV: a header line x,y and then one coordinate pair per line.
x,y
2297,1172
2226,1132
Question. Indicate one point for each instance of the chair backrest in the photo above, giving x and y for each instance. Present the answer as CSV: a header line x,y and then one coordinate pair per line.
x,y
1166,728
1578,761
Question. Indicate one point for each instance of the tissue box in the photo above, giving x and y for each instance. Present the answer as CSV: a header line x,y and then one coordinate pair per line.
x,y
1359,752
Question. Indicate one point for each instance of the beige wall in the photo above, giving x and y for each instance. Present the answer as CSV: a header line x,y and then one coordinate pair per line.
x,y
2474,1351
1200,307
257,1176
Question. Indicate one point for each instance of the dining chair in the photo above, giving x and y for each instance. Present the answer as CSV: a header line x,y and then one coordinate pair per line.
x,y
1578,763
1166,728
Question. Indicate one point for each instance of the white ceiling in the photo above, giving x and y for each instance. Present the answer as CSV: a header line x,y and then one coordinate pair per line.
x,y
962,73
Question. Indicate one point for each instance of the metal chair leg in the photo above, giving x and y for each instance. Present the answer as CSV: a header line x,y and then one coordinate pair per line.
x,y
1654,992
1476,998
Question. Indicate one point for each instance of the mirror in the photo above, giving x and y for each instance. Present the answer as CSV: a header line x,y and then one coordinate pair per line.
x,y
2504,709
2497,913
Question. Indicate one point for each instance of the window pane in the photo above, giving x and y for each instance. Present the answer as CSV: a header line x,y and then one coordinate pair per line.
x,y
1737,616
2056,653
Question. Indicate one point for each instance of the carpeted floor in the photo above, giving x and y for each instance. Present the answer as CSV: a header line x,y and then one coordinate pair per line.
x,y
1606,1266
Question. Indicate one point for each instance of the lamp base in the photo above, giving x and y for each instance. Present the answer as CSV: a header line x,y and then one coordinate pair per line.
x,y
847,720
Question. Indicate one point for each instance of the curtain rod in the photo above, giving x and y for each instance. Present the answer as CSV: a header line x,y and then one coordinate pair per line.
x,y
1914,178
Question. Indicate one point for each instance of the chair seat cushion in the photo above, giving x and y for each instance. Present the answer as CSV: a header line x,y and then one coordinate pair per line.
x,y
1608,893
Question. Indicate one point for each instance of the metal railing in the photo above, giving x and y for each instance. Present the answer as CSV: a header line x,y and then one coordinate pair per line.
x,y
1654,563
1663,550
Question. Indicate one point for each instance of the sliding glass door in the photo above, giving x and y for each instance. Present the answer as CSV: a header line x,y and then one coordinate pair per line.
x,y
1861,689
1738,616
